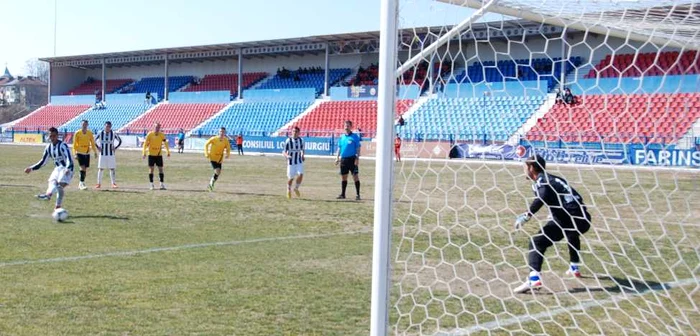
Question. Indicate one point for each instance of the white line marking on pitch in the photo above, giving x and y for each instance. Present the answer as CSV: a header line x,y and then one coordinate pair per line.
x,y
497,324
176,248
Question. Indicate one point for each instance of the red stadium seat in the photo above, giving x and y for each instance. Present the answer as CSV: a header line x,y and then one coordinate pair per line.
x,y
172,117
625,118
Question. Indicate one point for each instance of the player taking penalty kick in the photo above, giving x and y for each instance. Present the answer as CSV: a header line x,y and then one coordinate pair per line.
x,y
63,171
83,141
294,153
570,219
214,150
153,146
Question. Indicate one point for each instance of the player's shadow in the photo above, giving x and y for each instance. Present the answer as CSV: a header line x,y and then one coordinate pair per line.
x,y
621,285
122,191
101,217
16,186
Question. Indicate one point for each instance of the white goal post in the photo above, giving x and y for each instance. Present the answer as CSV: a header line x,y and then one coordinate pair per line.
x,y
450,231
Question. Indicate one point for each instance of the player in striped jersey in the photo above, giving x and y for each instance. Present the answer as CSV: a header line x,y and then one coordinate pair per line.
x,y
214,150
107,148
294,153
83,142
153,146
62,173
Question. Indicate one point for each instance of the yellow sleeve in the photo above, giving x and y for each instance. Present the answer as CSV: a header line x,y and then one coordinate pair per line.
x,y
228,148
206,147
146,142
92,142
167,147
76,142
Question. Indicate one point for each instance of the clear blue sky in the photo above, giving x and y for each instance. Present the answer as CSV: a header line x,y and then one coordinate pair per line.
x,y
97,26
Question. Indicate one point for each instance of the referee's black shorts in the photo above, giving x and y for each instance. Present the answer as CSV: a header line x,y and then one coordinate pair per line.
x,y
83,160
348,166
155,160
215,165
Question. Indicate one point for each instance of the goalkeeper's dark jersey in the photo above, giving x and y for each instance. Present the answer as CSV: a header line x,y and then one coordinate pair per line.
x,y
564,202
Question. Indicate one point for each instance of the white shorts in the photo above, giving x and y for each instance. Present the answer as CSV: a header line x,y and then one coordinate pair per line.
x,y
59,175
107,162
294,170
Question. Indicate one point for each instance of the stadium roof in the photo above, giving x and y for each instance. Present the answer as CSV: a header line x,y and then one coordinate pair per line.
x,y
299,46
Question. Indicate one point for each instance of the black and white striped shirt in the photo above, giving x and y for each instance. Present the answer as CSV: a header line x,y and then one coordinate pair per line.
x,y
105,141
59,152
294,148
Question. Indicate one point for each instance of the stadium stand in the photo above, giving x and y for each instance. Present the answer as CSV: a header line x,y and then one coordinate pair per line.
x,y
305,79
90,87
157,85
50,116
256,118
327,118
227,82
638,118
365,76
416,75
480,118
119,115
172,117
520,69
647,64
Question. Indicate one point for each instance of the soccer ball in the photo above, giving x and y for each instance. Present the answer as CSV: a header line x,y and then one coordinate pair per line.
x,y
60,215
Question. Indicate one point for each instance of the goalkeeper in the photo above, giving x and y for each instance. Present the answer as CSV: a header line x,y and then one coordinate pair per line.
x,y
570,219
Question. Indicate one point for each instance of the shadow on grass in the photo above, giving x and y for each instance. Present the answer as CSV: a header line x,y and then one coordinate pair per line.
x,y
98,217
621,285
16,185
122,191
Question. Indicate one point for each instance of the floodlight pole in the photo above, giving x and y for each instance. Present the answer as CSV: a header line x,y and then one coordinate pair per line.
x,y
383,182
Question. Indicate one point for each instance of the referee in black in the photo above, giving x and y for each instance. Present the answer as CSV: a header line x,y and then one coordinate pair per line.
x,y
348,157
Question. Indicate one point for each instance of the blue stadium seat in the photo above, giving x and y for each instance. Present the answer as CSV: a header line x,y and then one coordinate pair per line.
x,y
119,115
307,80
483,118
257,117
157,84
514,70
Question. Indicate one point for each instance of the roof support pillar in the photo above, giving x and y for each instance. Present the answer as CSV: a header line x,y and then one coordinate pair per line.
x,y
239,93
165,92
104,80
326,72
48,99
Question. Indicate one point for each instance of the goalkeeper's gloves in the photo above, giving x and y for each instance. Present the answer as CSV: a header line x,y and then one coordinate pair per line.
x,y
522,219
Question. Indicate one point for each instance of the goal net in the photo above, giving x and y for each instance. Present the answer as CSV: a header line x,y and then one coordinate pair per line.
x,y
607,91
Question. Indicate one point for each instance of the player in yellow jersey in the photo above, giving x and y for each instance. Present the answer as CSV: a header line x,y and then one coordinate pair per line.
x,y
83,141
214,150
153,146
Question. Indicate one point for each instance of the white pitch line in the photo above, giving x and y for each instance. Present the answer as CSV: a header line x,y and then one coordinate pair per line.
x,y
175,248
497,324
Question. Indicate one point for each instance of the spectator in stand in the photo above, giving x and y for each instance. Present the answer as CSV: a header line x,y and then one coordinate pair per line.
x,y
569,97
560,97
296,77
148,98
401,122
